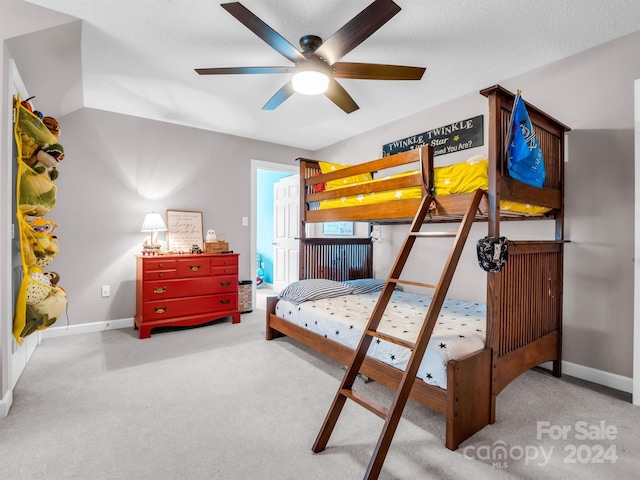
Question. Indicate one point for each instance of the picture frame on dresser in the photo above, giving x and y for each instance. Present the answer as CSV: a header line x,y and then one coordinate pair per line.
x,y
184,230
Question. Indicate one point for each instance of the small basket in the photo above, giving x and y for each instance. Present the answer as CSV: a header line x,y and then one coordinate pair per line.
x,y
245,300
216,247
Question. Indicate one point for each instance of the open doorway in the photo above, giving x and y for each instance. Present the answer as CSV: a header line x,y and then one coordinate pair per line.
x,y
264,175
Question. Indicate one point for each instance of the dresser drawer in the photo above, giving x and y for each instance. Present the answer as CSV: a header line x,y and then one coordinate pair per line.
x,y
158,264
224,261
225,301
188,287
228,270
194,267
181,307
225,283
159,274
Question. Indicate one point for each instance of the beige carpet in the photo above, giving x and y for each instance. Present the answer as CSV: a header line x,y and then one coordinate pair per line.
x,y
220,402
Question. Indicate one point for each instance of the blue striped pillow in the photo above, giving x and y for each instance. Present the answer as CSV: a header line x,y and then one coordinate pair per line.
x,y
366,285
314,289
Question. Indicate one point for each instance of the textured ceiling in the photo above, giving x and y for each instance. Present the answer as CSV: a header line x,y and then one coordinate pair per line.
x,y
138,57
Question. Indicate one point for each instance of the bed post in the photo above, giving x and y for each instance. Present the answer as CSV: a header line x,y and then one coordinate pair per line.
x,y
495,161
271,333
537,268
307,167
494,293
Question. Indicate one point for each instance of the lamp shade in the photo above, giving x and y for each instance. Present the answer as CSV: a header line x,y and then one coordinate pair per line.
x,y
153,222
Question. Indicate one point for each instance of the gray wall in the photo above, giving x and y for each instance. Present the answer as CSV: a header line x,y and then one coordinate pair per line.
x,y
598,299
116,169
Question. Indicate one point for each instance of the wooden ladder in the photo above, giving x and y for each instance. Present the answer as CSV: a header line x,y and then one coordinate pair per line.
x,y
392,414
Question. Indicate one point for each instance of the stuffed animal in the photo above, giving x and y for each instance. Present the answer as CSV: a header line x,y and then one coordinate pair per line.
x,y
47,159
211,236
54,278
38,287
44,259
43,158
44,313
53,306
40,246
29,148
26,104
52,125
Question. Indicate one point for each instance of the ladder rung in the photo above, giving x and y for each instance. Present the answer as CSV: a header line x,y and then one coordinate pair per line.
x,y
392,339
417,284
433,234
371,405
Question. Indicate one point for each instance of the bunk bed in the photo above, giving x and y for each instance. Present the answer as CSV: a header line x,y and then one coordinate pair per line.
x,y
522,330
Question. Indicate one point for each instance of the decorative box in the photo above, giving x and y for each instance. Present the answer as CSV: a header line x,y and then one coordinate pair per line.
x,y
216,247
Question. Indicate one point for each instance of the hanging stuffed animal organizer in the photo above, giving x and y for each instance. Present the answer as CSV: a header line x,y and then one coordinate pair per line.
x,y
40,300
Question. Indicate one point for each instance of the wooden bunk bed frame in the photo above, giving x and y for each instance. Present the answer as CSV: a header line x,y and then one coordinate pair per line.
x,y
522,330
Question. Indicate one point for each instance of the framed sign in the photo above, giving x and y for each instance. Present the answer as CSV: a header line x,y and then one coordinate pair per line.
x,y
184,229
450,138
337,228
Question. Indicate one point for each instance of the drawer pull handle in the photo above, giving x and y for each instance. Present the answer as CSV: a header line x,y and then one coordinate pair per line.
x,y
225,302
161,275
160,290
160,265
160,309
194,268
225,284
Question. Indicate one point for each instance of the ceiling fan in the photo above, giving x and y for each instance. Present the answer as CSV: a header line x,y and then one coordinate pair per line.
x,y
318,60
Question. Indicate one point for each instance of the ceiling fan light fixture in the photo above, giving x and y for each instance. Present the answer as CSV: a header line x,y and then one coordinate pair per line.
x,y
310,82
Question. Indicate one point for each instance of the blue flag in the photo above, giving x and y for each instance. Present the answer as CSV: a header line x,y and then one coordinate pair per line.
x,y
526,162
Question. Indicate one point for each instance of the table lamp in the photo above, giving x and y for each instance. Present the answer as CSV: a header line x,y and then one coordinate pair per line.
x,y
153,223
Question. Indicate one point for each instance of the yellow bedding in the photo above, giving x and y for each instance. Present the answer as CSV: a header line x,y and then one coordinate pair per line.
x,y
453,179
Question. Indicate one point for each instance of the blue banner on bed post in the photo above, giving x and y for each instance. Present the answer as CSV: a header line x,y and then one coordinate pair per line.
x,y
526,162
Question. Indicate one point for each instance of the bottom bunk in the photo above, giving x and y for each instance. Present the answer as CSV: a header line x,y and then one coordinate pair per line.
x,y
523,329
466,376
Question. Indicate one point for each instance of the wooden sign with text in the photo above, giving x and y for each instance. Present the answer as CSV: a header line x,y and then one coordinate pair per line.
x,y
451,138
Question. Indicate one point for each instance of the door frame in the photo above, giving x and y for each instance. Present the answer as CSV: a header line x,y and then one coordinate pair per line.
x,y
635,395
255,166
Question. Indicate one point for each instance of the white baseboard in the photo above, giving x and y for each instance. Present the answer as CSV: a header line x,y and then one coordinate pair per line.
x,y
5,404
62,331
607,379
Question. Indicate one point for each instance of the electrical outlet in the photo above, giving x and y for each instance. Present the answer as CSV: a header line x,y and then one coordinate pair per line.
x,y
106,291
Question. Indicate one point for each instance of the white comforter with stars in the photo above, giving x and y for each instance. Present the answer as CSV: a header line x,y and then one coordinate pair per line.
x,y
460,329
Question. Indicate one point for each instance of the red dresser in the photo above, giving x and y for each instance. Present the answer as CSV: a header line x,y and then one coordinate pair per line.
x,y
184,290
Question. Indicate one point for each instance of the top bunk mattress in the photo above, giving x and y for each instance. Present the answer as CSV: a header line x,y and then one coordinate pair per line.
x,y
458,178
460,330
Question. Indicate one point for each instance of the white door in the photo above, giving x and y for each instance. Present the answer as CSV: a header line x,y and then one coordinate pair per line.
x,y
286,230
20,354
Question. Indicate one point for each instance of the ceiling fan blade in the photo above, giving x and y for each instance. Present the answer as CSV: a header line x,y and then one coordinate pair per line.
x,y
243,70
357,30
262,30
338,95
376,71
281,95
